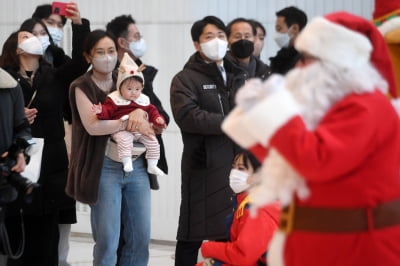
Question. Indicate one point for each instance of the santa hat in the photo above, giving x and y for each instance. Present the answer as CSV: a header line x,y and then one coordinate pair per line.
x,y
347,40
127,69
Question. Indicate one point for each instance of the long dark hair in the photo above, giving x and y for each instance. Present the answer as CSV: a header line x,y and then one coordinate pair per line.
x,y
30,23
9,58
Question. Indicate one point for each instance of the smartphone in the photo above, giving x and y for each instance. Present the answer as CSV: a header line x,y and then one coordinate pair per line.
x,y
59,8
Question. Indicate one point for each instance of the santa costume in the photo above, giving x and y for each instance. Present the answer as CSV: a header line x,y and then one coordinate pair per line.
x,y
386,17
329,139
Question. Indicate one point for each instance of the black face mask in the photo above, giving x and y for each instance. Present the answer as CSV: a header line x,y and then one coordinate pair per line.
x,y
242,48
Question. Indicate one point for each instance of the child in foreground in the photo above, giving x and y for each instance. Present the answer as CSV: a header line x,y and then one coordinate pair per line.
x,y
248,236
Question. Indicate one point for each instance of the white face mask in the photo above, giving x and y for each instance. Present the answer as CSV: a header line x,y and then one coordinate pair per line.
x,y
138,48
238,181
104,64
56,34
45,42
282,39
215,49
31,46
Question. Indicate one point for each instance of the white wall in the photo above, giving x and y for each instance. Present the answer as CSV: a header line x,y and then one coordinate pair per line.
x,y
165,25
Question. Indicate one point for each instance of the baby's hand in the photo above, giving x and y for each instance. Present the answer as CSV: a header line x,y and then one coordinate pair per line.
x,y
160,122
97,108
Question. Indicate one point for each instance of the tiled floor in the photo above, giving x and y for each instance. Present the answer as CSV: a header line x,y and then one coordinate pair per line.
x,y
81,248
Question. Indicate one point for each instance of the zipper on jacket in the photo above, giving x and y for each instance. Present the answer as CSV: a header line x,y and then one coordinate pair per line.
x,y
220,103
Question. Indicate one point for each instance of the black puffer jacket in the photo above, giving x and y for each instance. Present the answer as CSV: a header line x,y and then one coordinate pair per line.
x,y
285,60
255,69
199,102
149,74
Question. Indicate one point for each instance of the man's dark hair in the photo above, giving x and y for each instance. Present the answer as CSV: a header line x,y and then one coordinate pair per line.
x,y
44,11
119,25
198,26
293,15
258,24
237,20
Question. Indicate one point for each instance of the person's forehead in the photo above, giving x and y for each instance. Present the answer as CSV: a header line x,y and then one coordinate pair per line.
x,y
131,82
260,31
56,18
38,27
24,34
211,29
280,21
104,43
241,27
132,29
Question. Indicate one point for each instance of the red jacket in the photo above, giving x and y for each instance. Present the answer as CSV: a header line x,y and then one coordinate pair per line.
x,y
113,109
249,236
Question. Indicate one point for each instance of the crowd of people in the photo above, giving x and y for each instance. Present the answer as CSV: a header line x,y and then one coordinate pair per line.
x,y
278,158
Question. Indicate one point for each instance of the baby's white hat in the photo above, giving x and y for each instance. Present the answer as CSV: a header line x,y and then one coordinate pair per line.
x,y
127,69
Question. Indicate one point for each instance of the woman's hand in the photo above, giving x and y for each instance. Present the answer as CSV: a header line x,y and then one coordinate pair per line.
x,y
30,114
73,13
21,164
138,122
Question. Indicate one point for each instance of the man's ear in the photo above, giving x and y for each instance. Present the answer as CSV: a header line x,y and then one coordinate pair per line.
x,y
295,29
121,42
197,45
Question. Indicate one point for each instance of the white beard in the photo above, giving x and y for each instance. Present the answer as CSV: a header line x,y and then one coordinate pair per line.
x,y
316,88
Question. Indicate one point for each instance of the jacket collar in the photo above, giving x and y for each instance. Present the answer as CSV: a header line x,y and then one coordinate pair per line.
x,y
6,80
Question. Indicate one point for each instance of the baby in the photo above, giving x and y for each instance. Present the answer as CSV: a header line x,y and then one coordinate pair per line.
x,y
120,103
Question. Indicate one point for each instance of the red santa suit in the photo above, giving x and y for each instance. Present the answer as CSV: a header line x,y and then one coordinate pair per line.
x,y
334,150
249,236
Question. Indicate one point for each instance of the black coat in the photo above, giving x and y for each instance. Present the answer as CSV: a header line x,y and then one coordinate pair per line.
x,y
149,74
48,124
13,123
199,102
255,69
52,103
285,60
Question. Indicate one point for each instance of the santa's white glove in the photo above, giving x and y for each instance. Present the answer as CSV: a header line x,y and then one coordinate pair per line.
x,y
396,105
255,90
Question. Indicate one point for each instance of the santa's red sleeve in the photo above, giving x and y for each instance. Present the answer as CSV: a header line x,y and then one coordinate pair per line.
x,y
331,148
252,239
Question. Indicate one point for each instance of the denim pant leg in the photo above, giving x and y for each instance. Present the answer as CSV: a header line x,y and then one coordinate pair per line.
x,y
106,213
136,216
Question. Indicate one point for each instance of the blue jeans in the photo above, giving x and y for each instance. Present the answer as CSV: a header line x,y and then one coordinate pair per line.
x,y
125,197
